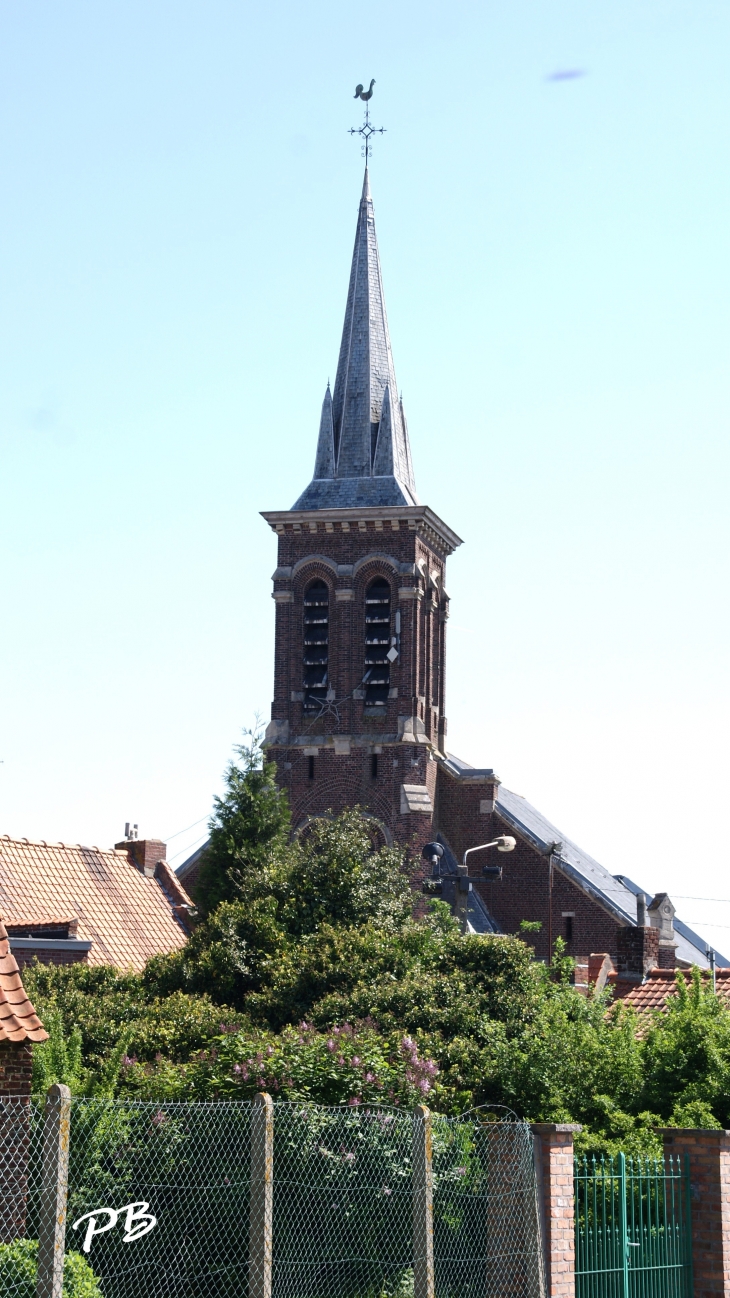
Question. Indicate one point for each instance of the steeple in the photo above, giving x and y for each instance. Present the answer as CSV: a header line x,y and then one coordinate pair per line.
x,y
363,454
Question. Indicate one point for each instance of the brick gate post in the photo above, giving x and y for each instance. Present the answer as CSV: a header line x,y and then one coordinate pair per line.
x,y
554,1170
709,1174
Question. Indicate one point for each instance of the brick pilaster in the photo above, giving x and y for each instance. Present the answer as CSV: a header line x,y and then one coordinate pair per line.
x,y
554,1167
709,1171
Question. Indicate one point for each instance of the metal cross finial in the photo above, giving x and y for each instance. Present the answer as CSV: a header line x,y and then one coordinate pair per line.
x,y
366,130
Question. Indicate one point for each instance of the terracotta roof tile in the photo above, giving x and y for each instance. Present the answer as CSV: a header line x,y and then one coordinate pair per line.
x,y
660,983
18,1019
127,917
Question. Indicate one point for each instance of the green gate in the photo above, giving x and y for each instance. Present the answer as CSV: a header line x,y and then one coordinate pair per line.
x,y
632,1228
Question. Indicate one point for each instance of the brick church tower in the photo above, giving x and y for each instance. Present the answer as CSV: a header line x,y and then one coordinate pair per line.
x,y
358,714
361,605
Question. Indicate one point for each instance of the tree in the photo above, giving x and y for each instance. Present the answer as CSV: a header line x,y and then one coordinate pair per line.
x,y
333,878
249,828
336,878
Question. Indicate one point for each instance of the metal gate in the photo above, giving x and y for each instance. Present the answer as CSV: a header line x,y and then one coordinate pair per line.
x,y
632,1228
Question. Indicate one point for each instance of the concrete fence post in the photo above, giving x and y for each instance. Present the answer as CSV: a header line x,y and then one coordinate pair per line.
x,y
261,1197
423,1273
554,1170
54,1192
709,1175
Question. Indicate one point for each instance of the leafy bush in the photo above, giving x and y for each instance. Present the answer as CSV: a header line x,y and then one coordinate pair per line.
x,y
19,1265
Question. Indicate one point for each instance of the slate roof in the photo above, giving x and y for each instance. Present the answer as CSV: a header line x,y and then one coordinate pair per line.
x,y
660,984
18,1019
363,452
615,892
127,917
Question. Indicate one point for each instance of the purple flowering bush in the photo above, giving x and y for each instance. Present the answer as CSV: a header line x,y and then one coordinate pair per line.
x,y
351,1065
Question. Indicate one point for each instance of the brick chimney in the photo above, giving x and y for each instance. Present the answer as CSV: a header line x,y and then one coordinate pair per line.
x,y
661,912
144,853
637,951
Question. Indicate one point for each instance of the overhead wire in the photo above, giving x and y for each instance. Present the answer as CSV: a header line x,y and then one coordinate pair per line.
x,y
178,832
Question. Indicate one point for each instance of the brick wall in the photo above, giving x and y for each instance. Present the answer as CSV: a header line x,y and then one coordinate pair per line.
x,y
16,1067
523,893
343,780
15,1082
49,956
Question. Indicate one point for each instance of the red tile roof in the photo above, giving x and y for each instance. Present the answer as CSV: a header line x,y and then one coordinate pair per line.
x,y
18,1019
127,916
660,983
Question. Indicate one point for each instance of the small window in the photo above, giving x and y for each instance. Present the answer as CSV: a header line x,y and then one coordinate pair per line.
x,y
377,642
374,766
310,768
568,928
316,645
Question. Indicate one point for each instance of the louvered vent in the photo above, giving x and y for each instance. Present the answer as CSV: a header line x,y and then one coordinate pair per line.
x,y
316,644
377,642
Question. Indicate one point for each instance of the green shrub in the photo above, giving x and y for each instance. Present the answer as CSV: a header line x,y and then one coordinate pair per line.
x,y
19,1264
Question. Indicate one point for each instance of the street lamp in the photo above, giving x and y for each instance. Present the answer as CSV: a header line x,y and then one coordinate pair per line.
x,y
505,843
434,851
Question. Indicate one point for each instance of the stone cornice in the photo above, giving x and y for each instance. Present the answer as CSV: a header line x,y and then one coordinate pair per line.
x,y
415,517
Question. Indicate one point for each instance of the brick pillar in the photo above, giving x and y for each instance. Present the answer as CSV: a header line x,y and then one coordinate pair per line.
x,y
554,1167
709,1174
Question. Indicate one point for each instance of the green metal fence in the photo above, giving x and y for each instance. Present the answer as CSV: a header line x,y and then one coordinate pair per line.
x,y
632,1228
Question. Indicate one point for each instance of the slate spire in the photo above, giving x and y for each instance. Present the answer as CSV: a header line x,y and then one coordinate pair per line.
x,y
363,455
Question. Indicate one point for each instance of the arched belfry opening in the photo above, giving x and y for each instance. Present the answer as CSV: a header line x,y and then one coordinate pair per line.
x,y
316,645
377,643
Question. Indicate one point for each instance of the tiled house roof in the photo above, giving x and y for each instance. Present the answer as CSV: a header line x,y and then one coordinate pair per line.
x,y
126,915
18,1019
660,984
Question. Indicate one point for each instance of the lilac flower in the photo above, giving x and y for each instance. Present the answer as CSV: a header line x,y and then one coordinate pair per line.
x,y
356,1061
330,1044
369,1077
354,1099
237,1068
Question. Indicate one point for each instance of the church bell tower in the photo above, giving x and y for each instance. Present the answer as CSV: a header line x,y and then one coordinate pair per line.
x,y
361,605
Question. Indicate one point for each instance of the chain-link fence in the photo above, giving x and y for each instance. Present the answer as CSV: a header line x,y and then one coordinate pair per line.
x,y
269,1201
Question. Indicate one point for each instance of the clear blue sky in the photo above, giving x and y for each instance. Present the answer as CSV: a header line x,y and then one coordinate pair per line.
x,y
177,208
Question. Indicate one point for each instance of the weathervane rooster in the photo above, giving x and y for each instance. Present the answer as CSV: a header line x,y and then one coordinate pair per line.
x,y
367,130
